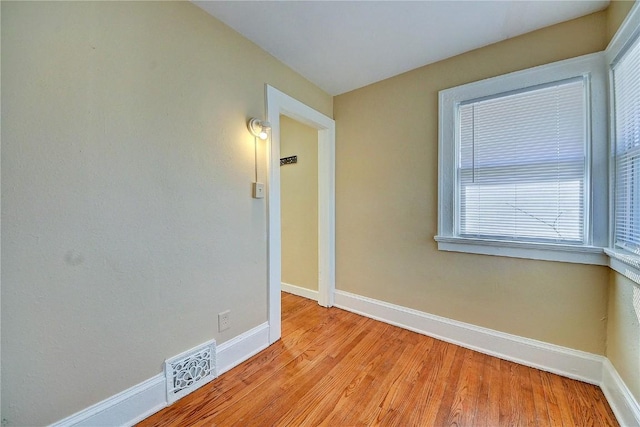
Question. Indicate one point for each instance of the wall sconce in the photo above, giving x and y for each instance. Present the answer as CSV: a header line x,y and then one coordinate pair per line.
x,y
259,128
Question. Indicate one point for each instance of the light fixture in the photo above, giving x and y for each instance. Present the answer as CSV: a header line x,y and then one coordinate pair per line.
x,y
258,128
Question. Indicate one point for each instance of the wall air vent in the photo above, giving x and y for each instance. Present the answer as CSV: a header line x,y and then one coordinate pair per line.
x,y
190,370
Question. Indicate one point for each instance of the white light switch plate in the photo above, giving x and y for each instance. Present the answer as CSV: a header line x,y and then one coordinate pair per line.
x,y
258,190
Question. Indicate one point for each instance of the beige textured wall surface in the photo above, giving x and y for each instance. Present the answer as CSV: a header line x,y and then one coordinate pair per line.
x,y
386,202
623,330
127,217
299,204
616,13
623,324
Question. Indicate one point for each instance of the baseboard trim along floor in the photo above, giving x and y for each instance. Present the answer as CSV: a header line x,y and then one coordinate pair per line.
x,y
575,364
145,399
300,291
148,397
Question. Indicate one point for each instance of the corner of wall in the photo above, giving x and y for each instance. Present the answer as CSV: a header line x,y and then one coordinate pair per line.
x,y
616,13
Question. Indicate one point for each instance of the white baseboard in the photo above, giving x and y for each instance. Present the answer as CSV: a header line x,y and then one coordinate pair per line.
x,y
579,365
559,360
622,402
123,409
235,351
299,291
145,399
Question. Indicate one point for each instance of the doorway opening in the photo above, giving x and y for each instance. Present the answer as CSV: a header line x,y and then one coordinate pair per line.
x,y
299,208
278,103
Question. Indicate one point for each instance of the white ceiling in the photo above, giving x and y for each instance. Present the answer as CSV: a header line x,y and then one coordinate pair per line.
x,y
344,45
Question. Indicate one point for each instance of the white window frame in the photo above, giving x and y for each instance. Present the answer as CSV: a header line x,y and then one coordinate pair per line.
x,y
593,68
624,262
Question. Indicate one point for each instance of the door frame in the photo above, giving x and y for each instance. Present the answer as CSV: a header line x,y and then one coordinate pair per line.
x,y
279,103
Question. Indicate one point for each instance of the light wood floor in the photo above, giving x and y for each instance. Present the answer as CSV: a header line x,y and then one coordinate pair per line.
x,y
335,368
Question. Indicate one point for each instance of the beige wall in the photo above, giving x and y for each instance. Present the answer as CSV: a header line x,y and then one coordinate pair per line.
x,y
623,325
126,209
623,330
127,217
299,204
616,12
386,201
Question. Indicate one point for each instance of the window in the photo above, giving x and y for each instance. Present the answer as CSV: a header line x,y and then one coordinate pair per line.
x,y
522,163
521,168
626,133
623,57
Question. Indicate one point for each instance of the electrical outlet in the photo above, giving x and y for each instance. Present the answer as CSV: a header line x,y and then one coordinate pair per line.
x,y
224,320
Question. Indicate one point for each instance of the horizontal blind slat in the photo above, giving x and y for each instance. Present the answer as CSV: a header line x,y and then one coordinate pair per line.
x,y
522,165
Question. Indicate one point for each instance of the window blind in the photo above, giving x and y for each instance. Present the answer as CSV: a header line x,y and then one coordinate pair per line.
x,y
522,165
626,86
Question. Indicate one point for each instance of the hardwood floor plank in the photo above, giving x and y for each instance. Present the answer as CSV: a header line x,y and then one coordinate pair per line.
x,y
483,402
555,389
297,375
526,407
400,407
391,388
447,401
327,386
334,368
542,411
599,404
352,406
475,375
463,396
510,398
432,388
590,405
495,392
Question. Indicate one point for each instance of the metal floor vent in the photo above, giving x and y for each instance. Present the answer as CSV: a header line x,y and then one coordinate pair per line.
x,y
190,370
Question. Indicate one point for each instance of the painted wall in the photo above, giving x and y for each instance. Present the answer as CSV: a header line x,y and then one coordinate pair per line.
x,y
386,201
623,330
623,324
299,204
127,217
616,13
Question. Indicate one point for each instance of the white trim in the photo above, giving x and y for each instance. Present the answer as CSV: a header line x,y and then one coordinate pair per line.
x,y
622,402
541,251
625,33
559,360
235,351
592,67
279,103
300,291
624,263
123,409
145,399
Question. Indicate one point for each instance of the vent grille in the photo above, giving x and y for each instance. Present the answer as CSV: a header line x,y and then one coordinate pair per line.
x,y
190,370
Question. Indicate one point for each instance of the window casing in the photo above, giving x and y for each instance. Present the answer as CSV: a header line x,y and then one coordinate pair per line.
x,y
523,164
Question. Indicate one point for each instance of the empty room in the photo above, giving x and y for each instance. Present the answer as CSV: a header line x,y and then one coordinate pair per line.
x,y
412,213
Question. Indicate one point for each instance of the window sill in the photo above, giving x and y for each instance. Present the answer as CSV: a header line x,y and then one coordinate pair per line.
x,y
539,251
625,263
